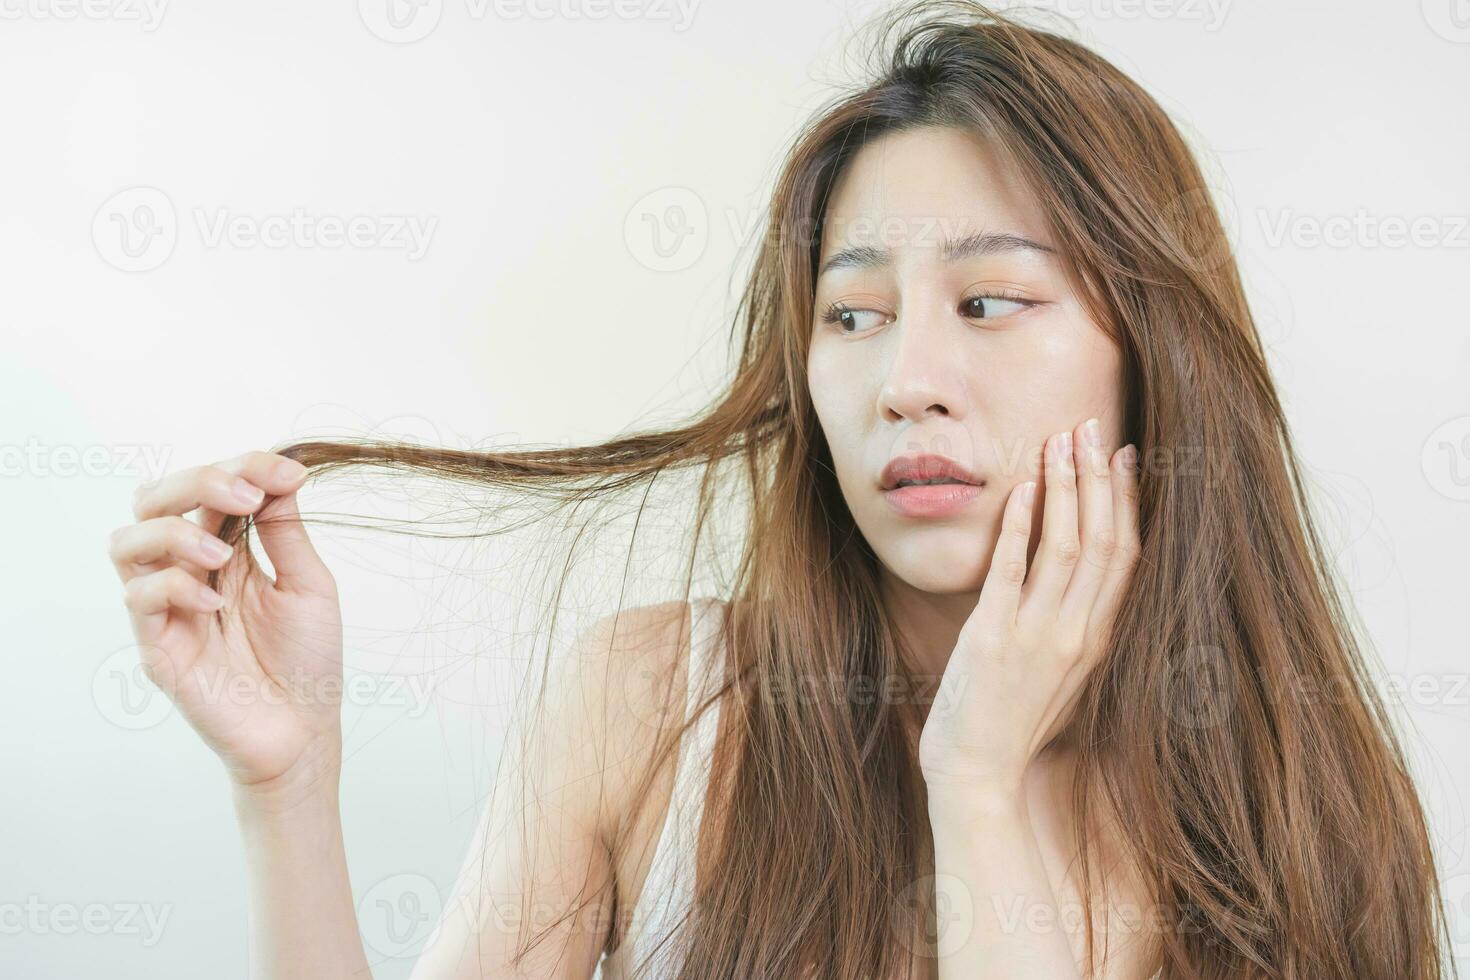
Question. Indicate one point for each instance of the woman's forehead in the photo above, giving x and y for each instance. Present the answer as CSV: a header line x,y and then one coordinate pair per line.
x,y
925,188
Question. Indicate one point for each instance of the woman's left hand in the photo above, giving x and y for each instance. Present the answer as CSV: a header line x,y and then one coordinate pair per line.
x,y
1031,641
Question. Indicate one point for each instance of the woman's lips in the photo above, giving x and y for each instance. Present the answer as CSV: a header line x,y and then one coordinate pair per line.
x,y
931,499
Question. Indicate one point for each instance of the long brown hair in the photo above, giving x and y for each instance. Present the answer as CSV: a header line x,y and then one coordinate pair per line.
x,y
1279,829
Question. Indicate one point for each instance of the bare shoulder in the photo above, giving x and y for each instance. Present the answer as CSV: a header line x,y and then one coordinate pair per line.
x,y
586,730
628,671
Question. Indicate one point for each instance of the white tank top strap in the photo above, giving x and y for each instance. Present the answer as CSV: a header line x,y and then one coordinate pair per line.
x,y
669,888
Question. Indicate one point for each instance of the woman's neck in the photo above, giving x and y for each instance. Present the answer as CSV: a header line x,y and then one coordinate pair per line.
x,y
928,623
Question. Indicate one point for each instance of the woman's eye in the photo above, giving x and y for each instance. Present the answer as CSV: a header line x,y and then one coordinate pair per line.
x,y
853,321
990,307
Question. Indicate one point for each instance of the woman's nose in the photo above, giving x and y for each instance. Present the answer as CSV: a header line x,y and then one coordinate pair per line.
x,y
925,374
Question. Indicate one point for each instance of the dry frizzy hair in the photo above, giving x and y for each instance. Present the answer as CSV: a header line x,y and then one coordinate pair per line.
x,y
1278,830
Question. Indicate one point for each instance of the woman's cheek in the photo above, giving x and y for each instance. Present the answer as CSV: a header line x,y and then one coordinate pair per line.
x,y
824,379
836,393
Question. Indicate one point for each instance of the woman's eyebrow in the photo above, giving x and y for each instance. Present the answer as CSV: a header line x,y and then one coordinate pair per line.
x,y
981,243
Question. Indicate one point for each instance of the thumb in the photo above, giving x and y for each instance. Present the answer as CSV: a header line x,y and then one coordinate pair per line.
x,y
298,567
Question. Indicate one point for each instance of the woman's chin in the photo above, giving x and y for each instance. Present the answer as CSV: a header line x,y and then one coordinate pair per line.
x,y
942,562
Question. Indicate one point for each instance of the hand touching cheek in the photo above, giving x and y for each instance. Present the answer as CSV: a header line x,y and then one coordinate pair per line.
x,y
1036,633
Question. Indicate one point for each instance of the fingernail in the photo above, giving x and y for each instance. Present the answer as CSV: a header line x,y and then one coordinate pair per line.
x,y
1028,492
1130,457
288,470
214,549
248,493
1093,431
209,598
1064,445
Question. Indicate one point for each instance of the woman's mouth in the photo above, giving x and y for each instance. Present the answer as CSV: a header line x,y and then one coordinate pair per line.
x,y
928,485
931,499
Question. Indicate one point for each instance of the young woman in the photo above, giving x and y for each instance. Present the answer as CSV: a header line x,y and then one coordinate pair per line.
x,y
1088,705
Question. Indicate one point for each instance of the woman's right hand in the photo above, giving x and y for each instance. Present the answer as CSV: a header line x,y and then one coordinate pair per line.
x,y
260,682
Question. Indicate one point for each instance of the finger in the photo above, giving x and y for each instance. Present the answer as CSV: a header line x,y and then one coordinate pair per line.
x,y
1095,525
200,486
168,589
1059,548
151,598
297,565
996,609
235,486
135,547
274,473
1124,478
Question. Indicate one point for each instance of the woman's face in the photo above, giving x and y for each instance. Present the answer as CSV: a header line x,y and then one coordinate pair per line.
x,y
976,352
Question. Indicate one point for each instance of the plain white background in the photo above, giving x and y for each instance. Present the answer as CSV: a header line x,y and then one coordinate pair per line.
x,y
546,203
